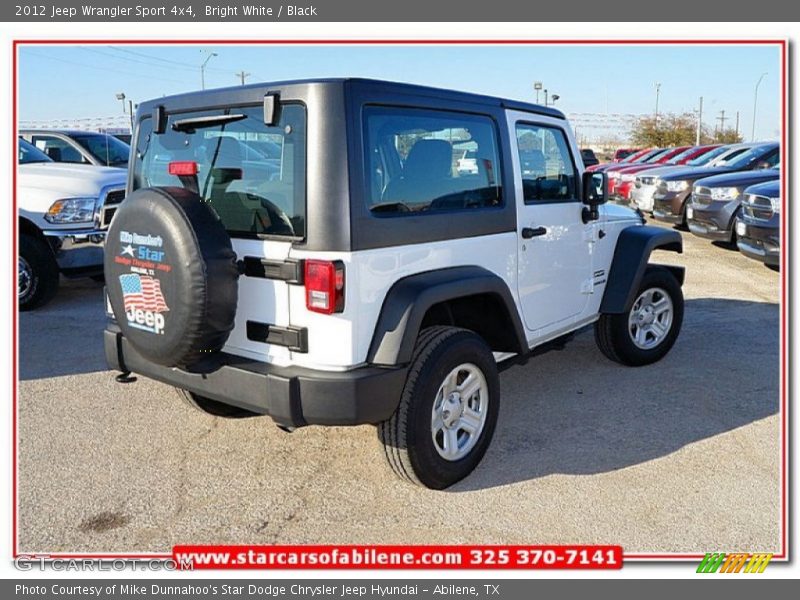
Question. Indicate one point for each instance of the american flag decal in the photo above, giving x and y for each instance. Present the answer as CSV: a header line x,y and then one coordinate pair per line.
x,y
142,292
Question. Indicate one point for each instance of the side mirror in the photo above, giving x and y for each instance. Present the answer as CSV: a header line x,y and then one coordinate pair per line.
x,y
595,193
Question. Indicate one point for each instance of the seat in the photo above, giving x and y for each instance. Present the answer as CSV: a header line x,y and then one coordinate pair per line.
x,y
427,174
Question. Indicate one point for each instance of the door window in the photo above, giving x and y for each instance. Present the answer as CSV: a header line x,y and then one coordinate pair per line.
x,y
548,171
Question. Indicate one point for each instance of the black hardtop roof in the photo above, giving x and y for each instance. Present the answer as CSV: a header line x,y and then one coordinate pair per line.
x,y
194,98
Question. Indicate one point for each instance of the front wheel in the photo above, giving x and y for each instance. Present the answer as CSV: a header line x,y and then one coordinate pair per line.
x,y
37,273
447,412
646,332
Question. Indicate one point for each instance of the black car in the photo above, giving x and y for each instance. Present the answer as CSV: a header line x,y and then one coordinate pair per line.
x,y
715,202
674,189
758,227
589,159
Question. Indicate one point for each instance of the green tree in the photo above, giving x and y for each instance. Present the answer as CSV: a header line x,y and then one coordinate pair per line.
x,y
677,130
727,136
671,130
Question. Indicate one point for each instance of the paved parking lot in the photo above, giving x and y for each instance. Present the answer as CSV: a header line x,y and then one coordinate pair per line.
x,y
681,456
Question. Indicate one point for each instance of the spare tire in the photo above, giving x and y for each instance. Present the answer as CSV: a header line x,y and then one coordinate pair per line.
x,y
171,276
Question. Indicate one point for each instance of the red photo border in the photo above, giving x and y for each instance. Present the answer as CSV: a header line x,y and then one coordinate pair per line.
x,y
781,43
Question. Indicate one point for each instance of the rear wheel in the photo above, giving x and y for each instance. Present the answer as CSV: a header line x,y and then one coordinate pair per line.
x,y
37,273
447,412
213,407
646,332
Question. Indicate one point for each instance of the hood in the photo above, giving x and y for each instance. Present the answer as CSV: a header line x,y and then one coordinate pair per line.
x,y
694,173
657,171
615,212
770,189
636,169
740,178
69,179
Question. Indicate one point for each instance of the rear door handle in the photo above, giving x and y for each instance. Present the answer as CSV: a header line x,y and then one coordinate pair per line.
x,y
529,232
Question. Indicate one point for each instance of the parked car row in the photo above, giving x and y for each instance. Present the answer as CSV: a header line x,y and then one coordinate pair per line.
x,y
66,197
726,193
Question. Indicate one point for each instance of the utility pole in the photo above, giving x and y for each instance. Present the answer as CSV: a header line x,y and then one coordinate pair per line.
x,y
658,93
699,123
737,123
755,104
242,75
722,118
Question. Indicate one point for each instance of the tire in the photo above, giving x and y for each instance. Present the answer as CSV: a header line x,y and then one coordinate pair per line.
x,y
37,272
213,407
415,438
614,333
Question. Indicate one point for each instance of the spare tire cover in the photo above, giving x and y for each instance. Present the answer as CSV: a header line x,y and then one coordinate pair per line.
x,y
171,275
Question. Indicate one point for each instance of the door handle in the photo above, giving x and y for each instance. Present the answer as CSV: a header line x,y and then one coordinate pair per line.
x,y
529,232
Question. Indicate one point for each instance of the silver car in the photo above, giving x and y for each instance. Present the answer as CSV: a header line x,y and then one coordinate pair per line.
x,y
647,181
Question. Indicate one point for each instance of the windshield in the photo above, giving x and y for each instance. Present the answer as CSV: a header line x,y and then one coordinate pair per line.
x,y
659,154
746,158
706,158
29,153
253,175
649,154
682,155
105,148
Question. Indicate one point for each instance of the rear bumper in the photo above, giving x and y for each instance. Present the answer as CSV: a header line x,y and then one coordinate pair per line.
x,y
292,396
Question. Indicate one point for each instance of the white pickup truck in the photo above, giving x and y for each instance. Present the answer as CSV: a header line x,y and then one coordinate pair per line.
x,y
64,211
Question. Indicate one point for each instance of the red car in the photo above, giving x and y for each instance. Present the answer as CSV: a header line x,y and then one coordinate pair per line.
x,y
623,153
624,177
632,158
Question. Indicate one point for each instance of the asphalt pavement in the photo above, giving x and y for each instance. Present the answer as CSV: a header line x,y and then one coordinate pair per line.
x,y
681,456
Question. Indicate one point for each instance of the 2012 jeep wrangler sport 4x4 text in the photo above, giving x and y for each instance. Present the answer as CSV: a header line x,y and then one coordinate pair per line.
x,y
316,252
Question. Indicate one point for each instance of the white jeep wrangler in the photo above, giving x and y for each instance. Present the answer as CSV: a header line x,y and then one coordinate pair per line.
x,y
311,251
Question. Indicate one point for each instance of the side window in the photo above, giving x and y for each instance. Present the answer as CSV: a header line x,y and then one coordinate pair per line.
x,y
58,150
548,173
424,161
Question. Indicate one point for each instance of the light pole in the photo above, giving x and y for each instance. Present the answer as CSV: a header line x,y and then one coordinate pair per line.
x,y
203,69
553,98
537,85
545,97
121,97
699,123
755,105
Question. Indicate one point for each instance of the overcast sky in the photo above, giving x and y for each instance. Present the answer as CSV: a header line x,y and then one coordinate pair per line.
x,y
81,81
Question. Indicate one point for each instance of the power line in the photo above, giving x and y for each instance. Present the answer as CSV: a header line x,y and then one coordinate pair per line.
x,y
166,60
112,70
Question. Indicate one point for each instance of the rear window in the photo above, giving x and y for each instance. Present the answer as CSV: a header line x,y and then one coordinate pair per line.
x,y
251,174
105,148
423,161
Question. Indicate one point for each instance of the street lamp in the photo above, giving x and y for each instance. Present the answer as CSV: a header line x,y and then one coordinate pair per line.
x,y
203,69
755,104
121,97
553,98
537,85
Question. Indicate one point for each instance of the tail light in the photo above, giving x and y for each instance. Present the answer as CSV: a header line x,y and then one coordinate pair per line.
x,y
324,282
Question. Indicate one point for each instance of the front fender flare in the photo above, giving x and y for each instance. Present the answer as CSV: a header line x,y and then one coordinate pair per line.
x,y
631,257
